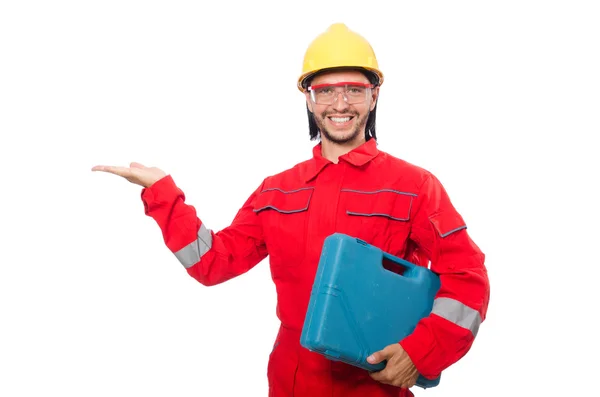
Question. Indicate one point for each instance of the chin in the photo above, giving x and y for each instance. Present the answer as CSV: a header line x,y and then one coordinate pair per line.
x,y
341,136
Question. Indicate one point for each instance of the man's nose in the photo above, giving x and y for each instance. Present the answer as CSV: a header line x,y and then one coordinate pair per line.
x,y
340,101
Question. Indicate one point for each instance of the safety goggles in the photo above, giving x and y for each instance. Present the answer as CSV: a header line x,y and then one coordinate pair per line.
x,y
327,94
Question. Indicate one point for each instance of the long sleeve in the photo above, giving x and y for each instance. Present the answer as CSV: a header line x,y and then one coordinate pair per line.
x,y
209,257
447,334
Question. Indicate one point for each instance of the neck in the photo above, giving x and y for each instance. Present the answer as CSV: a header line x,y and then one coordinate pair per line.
x,y
332,150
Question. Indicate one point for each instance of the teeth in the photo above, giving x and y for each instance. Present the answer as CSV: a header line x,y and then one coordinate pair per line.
x,y
340,119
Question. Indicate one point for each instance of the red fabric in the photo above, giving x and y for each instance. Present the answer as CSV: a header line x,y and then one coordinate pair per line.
x,y
288,217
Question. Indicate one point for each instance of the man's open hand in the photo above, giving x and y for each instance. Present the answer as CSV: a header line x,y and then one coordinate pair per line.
x,y
399,370
136,173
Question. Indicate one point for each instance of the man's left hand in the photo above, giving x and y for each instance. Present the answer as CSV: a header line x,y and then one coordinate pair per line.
x,y
399,370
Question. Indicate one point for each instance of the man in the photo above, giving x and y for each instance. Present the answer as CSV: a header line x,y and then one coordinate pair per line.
x,y
351,187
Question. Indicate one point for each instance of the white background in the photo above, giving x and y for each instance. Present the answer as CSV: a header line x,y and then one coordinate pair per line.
x,y
499,99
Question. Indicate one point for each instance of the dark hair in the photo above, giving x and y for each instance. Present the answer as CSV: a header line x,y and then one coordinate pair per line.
x,y
370,126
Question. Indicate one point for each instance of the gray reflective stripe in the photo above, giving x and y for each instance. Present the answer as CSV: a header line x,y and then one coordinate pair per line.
x,y
191,253
378,191
456,312
452,231
377,214
287,191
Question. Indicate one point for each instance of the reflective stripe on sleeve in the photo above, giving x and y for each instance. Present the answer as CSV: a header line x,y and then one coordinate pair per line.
x,y
457,313
191,253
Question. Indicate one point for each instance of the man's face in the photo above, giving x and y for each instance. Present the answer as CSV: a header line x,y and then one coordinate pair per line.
x,y
339,121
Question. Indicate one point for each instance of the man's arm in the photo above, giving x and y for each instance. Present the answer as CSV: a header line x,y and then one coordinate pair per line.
x,y
460,305
209,257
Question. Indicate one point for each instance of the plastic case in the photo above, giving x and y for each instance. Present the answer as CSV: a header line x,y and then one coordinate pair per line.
x,y
358,306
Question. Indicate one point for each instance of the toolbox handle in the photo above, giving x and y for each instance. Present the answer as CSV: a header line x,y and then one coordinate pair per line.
x,y
408,268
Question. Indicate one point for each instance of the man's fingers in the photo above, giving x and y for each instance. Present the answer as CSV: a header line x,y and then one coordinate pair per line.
x,y
382,376
121,171
376,358
378,376
379,356
137,165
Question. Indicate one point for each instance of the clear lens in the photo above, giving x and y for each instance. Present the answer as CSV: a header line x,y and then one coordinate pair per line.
x,y
328,94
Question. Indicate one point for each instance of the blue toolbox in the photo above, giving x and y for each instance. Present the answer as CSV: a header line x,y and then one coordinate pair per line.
x,y
364,299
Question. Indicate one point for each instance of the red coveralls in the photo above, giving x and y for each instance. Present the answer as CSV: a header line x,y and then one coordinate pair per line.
x,y
370,195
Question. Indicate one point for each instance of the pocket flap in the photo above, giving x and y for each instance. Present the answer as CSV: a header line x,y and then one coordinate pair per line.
x,y
284,201
447,223
388,203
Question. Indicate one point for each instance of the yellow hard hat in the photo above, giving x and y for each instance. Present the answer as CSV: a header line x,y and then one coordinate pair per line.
x,y
338,47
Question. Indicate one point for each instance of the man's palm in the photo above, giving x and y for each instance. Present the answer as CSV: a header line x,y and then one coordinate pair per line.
x,y
135,173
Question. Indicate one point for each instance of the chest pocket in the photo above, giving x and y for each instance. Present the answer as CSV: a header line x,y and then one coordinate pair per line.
x,y
380,217
284,216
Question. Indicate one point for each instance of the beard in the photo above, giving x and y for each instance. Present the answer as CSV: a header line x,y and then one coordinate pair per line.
x,y
342,137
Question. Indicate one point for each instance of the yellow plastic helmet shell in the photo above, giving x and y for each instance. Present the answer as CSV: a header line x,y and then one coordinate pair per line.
x,y
338,47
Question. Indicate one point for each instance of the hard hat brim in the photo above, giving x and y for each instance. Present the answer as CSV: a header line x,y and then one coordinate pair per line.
x,y
310,75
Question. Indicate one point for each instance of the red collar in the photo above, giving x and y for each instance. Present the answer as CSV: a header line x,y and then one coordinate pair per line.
x,y
357,157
